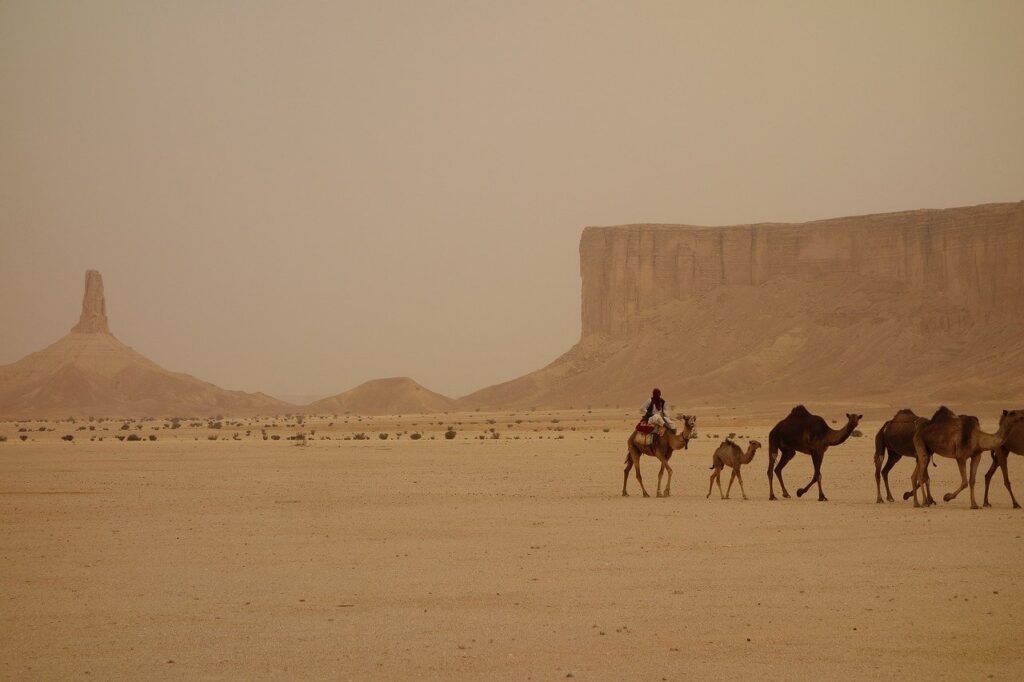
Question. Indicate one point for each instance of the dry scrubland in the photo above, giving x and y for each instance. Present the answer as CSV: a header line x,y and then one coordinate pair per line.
x,y
510,557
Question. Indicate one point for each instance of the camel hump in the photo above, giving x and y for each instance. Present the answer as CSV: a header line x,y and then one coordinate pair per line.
x,y
967,425
904,415
943,413
799,411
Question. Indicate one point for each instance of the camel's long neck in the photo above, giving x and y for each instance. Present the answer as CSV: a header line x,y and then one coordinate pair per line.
x,y
840,436
748,456
678,440
991,441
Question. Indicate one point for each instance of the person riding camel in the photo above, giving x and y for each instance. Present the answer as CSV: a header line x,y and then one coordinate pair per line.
x,y
656,411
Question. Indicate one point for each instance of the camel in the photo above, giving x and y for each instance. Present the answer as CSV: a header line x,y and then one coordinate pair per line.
x,y
666,442
730,454
804,432
958,437
897,438
1014,443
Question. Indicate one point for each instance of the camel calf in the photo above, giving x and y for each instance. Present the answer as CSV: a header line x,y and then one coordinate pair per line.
x,y
729,454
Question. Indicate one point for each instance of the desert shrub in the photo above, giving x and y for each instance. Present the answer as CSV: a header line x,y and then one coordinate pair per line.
x,y
216,425
152,436
134,436
857,433
3,439
119,437
415,436
450,433
382,436
125,427
23,438
275,437
606,430
68,438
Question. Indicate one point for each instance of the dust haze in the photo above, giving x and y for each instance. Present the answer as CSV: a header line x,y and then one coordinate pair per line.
x,y
295,199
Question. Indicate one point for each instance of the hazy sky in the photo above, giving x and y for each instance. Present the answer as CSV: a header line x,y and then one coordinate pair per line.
x,y
298,196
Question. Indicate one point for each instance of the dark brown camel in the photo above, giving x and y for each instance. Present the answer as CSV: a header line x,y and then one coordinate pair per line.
x,y
1014,443
897,438
958,437
804,432
662,450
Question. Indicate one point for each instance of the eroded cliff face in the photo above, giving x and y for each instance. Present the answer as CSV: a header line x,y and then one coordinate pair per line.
x,y
972,258
904,307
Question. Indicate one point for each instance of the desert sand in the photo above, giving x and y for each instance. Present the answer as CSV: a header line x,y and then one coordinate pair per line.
x,y
512,557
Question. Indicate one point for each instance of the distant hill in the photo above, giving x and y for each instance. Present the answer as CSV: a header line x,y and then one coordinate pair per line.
x,y
89,372
922,305
397,395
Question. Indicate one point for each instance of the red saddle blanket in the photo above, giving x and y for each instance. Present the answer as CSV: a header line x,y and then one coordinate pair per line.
x,y
645,428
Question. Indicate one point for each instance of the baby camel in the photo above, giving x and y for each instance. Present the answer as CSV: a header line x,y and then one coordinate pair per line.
x,y
729,454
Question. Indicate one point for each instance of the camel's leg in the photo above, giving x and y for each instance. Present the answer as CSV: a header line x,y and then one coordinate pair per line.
x,y
988,478
739,477
920,469
711,481
1006,479
728,488
783,461
878,477
889,464
718,479
625,474
999,460
639,479
926,483
962,463
816,458
665,468
975,461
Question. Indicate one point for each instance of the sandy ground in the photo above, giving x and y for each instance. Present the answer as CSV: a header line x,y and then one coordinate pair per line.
x,y
513,558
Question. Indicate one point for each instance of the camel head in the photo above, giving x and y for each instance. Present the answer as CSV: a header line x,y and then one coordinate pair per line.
x,y
689,426
1011,419
754,445
854,419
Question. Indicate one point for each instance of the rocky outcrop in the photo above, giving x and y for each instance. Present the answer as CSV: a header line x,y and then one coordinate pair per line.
x,y
94,306
926,304
89,372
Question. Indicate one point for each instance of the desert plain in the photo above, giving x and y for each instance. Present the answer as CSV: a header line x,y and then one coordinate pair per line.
x,y
506,552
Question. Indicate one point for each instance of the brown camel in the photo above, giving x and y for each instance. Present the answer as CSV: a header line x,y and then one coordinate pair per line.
x,y
730,454
804,432
1014,443
897,438
958,437
662,448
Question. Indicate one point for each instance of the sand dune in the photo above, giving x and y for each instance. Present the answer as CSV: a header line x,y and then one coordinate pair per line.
x,y
396,395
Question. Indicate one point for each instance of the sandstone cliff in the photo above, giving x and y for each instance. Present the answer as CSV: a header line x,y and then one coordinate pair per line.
x,y
923,305
90,372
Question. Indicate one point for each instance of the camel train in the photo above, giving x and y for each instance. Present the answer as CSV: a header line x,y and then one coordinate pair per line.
x,y
945,434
